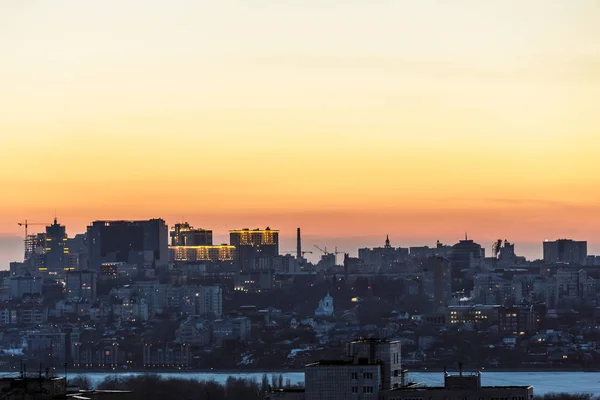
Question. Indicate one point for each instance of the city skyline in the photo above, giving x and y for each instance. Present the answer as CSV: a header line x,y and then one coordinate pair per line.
x,y
12,249
421,120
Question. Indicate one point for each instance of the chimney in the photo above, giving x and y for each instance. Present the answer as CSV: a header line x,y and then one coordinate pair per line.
x,y
298,245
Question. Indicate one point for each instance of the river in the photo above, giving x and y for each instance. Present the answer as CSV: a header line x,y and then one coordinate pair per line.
x,y
543,382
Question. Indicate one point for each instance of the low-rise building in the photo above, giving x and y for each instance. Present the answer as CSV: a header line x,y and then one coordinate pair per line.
x,y
473,314
461,387
167,355
342,380
235,329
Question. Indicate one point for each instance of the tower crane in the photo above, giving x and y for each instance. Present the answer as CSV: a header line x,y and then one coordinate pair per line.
x,y
26,225
336,252
325,252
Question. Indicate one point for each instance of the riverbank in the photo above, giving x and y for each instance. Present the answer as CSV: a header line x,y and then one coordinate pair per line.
x,y
241,371
544,382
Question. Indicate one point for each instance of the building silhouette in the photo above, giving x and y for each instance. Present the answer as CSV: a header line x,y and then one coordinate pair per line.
x,y
186,235
81,285
134,242
565,251
385,256
253,245
56,252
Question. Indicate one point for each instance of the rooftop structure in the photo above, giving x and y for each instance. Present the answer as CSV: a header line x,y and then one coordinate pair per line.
x,y
186,235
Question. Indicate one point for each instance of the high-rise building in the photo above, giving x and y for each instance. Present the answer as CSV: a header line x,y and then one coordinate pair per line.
x,y
78,252
56,250
379,351
134,242
251,245
202,300
81,285
565,251
35,249
439,279
218,253
466,254
370,368
186,235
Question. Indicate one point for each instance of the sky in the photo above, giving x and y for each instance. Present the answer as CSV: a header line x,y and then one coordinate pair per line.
x,y
351,119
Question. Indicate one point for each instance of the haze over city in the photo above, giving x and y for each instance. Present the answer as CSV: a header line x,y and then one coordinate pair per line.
x,y
351,119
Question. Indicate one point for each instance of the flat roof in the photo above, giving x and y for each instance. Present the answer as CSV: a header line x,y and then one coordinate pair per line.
x,y
423,388
374,340
339,363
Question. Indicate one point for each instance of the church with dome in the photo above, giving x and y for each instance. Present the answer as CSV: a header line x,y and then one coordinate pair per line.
x,y
325,308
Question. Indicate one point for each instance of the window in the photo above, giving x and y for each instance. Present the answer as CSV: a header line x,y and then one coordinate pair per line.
x,y
368,375
396,372
354,375
367,389
355,389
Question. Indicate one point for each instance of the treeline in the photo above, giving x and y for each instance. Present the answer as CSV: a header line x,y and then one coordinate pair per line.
x,y
150,387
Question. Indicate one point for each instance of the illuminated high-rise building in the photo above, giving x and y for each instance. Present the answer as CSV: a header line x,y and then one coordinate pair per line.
x,y
56,250
186,235
217,253
252,245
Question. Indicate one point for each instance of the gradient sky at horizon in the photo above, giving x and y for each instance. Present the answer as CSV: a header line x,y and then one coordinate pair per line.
x,y
419,119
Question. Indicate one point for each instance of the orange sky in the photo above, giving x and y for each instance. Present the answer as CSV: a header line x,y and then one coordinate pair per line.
x,y
350,119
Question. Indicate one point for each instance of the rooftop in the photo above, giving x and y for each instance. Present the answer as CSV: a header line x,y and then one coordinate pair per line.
x,y
424,388
374,340
328,363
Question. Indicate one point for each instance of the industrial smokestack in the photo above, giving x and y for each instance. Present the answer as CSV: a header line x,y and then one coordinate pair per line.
x,y
298,246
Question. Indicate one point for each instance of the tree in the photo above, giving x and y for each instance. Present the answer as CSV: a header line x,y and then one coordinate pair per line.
x,y
83,382
566,396
264,387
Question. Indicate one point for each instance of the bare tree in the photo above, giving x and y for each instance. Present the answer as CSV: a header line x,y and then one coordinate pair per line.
x,y
83,382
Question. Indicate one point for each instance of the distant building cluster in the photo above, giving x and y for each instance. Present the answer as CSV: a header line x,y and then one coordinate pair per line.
x,y
138,294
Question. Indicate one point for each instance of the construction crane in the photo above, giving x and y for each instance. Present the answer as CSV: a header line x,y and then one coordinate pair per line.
x,y
336,252
496,248
26,225
325,252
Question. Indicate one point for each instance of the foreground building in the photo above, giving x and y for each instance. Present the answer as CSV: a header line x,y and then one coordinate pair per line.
x,y
33,387
369,368
461,387
372,369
